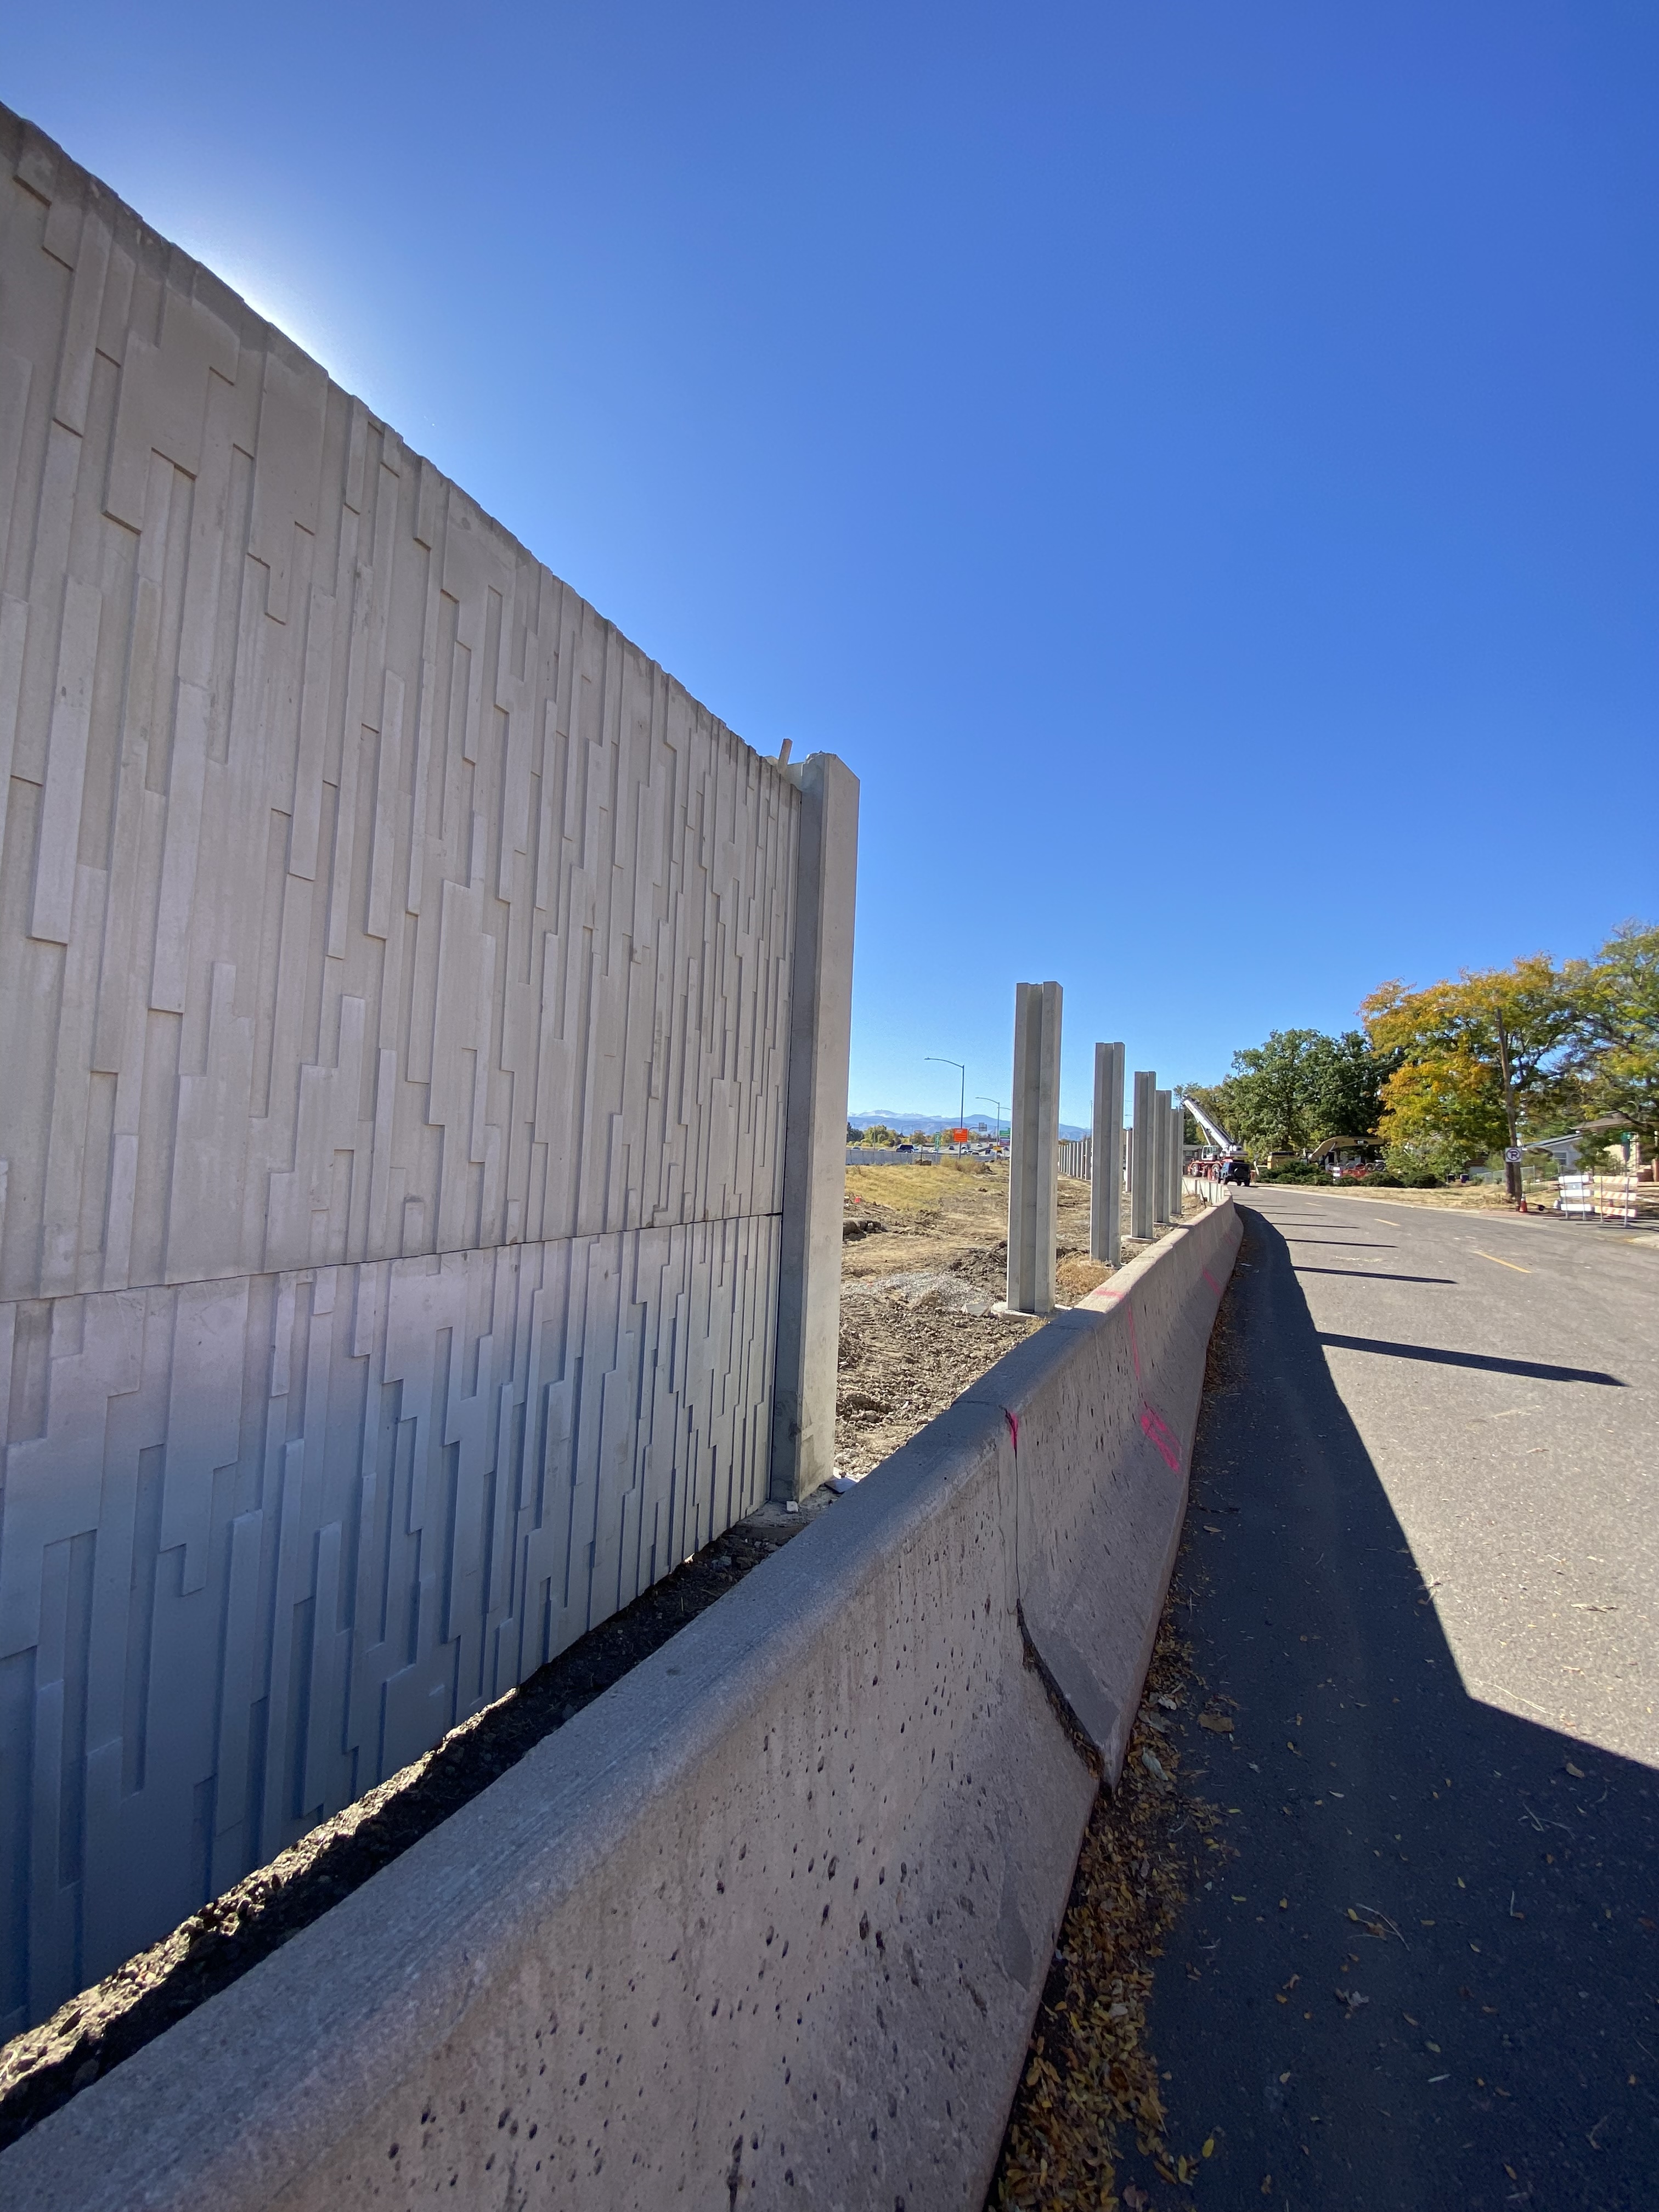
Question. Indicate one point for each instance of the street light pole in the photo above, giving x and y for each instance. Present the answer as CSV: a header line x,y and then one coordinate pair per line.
x,y
961,1110
986,1099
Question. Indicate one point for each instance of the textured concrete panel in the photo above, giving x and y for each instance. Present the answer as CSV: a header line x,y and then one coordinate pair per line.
x,y
265,1541
365,893
396,974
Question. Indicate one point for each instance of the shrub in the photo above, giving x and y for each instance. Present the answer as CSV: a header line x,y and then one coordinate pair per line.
x,y
1436,1159
1294,1171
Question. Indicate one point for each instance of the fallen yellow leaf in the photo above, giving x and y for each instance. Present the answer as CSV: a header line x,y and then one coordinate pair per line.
x,y
1209,2146
1216,1723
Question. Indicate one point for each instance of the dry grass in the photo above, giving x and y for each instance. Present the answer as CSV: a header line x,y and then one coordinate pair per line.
x,y
933,1217
1457,1198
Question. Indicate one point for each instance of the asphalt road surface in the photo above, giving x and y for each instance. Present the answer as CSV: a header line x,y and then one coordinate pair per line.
x,y
1425,1555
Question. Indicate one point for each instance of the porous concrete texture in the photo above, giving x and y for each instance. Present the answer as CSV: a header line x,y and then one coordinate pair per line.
x,y
767,1923
1106,1147
820,1040
1034,1148
1141,1161
396,970
1095,1554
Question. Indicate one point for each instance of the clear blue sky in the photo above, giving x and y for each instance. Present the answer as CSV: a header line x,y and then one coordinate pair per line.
x,y
1198,462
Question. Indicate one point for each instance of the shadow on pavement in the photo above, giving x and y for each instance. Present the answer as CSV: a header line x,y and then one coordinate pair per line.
x,y
1427,1974
1538,1370
1375,1275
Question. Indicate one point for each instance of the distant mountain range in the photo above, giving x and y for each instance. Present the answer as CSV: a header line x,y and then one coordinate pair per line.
x,y
891,1118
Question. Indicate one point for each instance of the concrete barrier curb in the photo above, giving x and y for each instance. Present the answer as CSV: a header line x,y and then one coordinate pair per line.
x,y
769,1921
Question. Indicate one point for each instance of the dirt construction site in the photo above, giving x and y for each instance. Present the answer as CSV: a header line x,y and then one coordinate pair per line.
x,y
923,1263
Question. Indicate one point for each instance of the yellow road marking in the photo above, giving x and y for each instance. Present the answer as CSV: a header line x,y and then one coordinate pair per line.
x,y
1497,1262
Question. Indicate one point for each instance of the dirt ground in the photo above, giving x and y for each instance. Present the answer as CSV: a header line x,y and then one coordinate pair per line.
x,y
954,1217
1458,1197
924,1262
925,1259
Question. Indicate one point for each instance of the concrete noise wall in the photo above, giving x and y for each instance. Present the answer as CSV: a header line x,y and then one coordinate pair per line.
x,y
396,979
769,1921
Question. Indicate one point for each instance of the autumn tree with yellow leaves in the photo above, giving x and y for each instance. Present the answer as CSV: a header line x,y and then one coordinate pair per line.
x,y
1503,1053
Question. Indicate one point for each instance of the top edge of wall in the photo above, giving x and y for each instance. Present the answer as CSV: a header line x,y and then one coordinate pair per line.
x,y
53,175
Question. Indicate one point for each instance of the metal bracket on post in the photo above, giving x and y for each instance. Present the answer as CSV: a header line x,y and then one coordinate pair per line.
x,y
1106,1189
815,1128
1033,1151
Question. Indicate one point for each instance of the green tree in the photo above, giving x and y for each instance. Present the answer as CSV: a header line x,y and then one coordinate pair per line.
x,y
1616,1056
1271,1092
1219,1102
1477,1061
1345,1080
877,1133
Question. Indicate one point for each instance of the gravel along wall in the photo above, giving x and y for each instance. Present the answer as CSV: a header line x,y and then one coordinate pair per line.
x,y
769,1921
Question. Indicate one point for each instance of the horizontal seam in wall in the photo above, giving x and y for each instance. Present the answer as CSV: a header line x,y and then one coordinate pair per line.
x,y
387,1260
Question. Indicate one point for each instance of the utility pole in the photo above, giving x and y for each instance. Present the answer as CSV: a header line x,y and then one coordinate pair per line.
x,y
986,1099
961,1108
1512,1156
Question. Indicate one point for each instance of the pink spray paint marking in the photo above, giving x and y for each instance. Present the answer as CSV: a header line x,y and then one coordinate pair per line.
x,y
1013,1420
1211,1281
1164,1441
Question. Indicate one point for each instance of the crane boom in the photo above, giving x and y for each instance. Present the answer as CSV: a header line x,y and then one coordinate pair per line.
x,y
1213,1130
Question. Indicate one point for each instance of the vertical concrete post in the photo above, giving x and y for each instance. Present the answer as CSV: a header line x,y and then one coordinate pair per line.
x,y
1106,1147
1033,1151
1140,1156
1160,1156
815,1128
1177,1158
